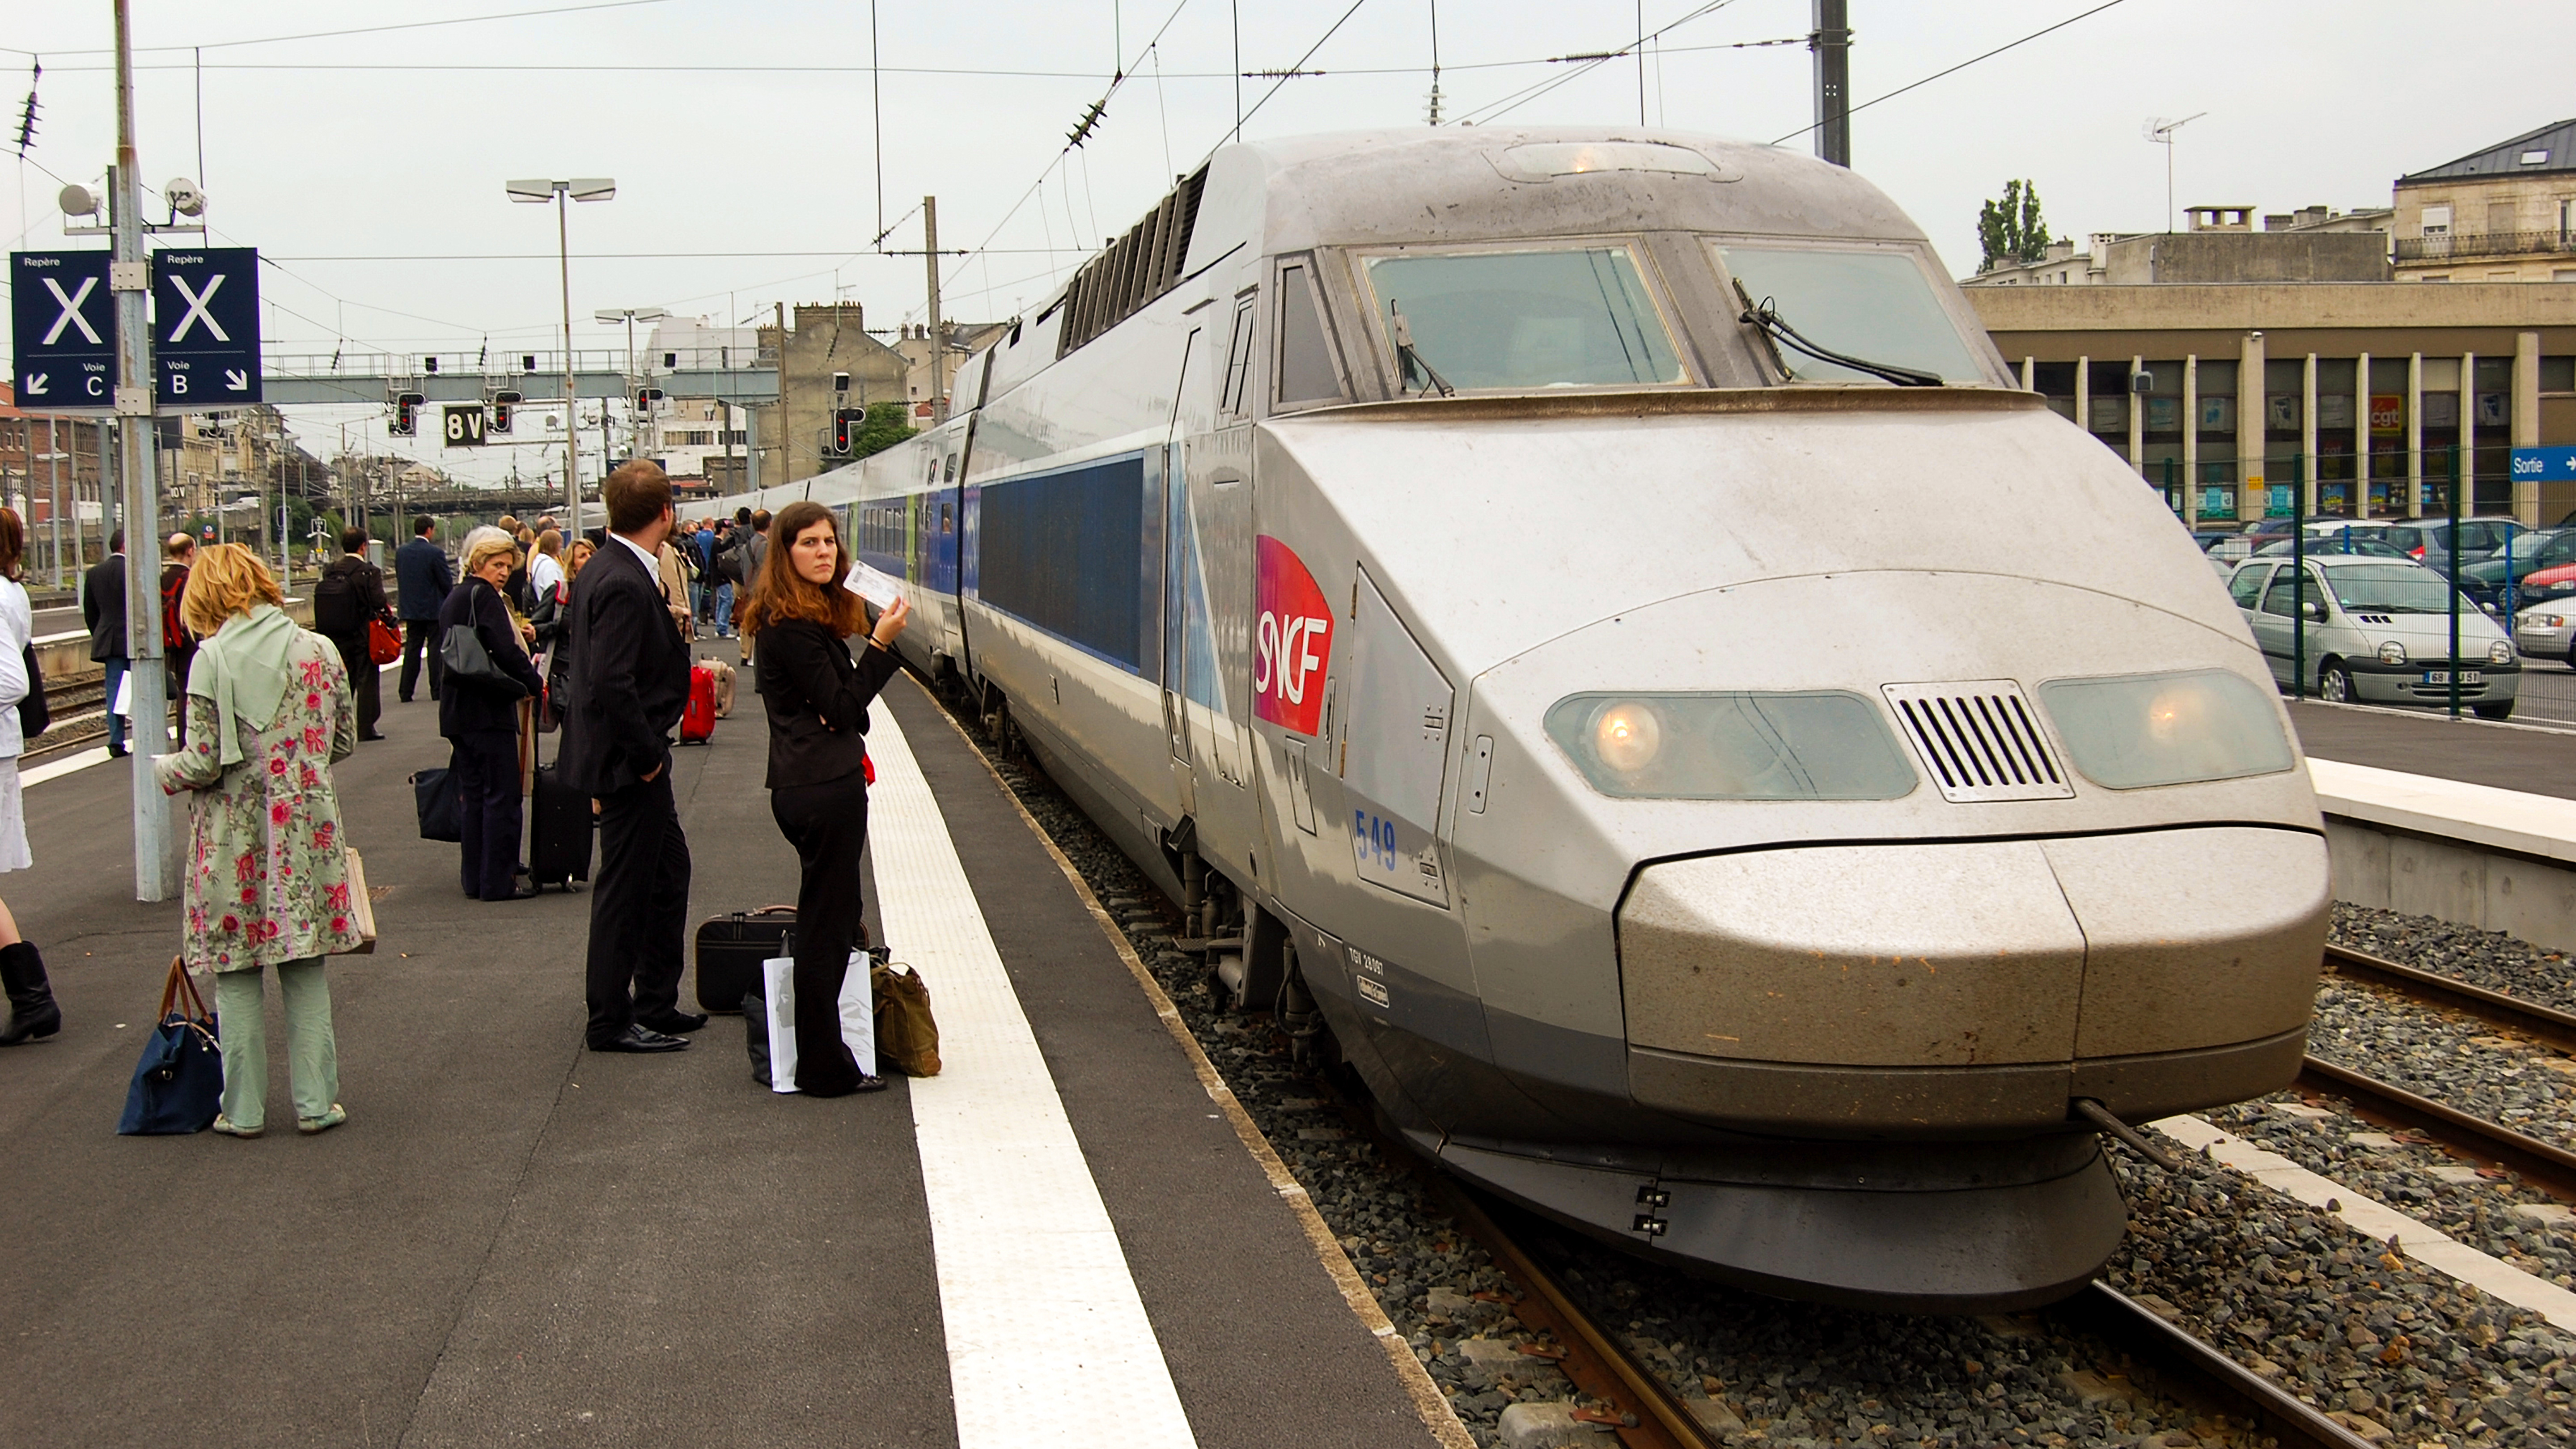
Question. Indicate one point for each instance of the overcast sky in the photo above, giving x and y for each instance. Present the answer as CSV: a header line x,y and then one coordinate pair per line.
x,y
369,166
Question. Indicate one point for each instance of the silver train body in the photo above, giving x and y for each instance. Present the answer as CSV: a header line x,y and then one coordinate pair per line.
x,y
1732,805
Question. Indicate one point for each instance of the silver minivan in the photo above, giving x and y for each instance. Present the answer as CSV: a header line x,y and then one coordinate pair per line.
x,y
2378,632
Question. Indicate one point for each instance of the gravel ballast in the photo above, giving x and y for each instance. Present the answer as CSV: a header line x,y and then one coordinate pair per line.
x,y
2290,1291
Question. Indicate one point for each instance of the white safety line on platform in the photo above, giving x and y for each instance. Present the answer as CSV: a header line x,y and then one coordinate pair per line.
x,y
1039,1304
2541,825
2413,1237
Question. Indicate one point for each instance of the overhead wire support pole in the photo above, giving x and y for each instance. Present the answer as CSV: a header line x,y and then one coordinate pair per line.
x,y
1832,46
572,409
148,703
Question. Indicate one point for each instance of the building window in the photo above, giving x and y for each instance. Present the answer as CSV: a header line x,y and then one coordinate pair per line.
x,y
2535,158
2437,220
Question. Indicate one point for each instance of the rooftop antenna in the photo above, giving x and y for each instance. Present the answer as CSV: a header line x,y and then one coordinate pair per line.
x,y
2161,131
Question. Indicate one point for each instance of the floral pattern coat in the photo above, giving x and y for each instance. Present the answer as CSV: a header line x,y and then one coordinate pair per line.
x,y
267,871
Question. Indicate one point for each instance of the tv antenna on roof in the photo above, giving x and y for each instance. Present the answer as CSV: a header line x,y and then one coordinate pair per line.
x,y
2161,131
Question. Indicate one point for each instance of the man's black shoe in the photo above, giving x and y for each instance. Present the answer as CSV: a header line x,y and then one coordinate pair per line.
x,y
678,1023
117,753
521,890
371,736
643,1039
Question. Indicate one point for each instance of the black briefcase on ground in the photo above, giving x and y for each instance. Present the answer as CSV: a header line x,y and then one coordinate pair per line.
x,y
559,831
731,948
434,792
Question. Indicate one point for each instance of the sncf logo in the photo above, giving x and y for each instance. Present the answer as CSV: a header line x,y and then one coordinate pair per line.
x,y
1292,640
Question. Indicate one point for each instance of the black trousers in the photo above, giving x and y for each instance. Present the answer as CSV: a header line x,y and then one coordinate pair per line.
x,y
177,662
365,680
828,825
486,765
639,909
420,636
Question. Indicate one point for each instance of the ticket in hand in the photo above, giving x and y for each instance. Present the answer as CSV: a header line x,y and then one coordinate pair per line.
x,y
879,588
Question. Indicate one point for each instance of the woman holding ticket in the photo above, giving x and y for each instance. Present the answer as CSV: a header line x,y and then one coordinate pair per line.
x,y
817,696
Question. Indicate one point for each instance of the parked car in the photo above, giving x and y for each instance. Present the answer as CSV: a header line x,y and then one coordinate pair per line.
x,y
2531,553
2359,544
2546,633
2429,540
2377,631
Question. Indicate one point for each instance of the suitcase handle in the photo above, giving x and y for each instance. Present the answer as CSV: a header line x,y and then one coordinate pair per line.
x,y
767,911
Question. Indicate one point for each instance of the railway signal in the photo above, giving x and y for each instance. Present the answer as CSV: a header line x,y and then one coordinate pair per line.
x,y
405,422
846,423
501,405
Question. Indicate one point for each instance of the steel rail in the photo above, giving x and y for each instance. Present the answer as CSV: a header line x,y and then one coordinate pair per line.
x,y
2545,1165
2165,1358
2511,1013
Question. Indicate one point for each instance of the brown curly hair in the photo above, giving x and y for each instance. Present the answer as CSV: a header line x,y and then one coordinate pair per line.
x,y
781,593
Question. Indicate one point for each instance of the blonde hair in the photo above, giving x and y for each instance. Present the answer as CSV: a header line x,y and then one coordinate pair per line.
x,y
578,555
226,580
482,544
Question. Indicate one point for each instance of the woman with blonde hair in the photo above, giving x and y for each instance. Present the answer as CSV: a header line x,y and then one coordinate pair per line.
x,y
480,718
817,698
269,712
32,1012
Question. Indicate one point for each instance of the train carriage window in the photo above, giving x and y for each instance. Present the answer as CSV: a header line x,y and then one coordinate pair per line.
x,y
1876,305
1551,317
1306,372
1238,358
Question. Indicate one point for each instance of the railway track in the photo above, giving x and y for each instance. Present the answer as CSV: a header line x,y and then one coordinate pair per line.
x,y
2544,1165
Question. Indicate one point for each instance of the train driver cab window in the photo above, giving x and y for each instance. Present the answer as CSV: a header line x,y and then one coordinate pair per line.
x,y
1238,359
1521,319
1306,372
1877,306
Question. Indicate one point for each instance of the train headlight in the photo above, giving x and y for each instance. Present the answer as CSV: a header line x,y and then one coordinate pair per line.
x,y
2132,731
2392,652
1627,736
1809,745
2499,652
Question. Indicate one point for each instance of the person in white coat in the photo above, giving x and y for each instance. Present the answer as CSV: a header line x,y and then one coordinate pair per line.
x,y
32,1012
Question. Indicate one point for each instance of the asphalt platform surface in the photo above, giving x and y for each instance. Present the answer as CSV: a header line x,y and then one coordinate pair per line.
x,y
2506,756
515,1239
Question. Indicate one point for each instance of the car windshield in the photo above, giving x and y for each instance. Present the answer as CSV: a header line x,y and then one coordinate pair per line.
x,y
2392,589
1873,305
1558,317
2334,544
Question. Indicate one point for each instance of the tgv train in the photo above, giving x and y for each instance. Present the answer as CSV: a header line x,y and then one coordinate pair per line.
x,y
1588,614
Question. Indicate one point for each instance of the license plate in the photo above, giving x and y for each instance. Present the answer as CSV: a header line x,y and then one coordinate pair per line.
x,y
2443,676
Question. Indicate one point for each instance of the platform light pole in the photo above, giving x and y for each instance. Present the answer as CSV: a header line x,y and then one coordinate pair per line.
x,y
579,188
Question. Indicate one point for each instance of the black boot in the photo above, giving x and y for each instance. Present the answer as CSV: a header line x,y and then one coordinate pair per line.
x,y
32,1012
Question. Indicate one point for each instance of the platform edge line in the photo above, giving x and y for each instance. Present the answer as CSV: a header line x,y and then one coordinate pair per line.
x,y
1428,1402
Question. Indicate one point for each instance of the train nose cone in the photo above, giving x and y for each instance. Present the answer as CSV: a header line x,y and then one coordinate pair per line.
x,y
1972,987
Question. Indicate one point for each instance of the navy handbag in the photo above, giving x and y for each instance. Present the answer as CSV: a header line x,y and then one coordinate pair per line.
x,y
179,1083
435,793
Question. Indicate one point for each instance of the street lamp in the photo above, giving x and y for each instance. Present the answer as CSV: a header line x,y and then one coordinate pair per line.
x,y
579,188
630,316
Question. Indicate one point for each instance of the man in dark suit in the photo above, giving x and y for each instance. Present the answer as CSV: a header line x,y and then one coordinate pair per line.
x,y
630,680
424,580
349,597
103,610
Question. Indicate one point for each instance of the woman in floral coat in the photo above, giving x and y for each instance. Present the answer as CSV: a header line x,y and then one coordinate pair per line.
x,y
269,713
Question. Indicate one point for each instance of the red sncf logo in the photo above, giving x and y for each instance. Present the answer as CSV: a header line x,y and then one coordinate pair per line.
x,y
1292,640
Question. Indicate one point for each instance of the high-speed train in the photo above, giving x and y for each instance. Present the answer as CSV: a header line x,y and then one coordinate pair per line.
x,y
1589,613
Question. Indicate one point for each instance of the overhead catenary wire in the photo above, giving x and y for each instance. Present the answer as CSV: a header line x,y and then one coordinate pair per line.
x,y
368,29
1954,70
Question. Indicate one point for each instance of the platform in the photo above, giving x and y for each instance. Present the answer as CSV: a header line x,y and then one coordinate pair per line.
x,y
1059,1241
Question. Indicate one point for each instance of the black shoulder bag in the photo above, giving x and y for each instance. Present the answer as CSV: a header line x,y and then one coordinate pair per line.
x,y
34,715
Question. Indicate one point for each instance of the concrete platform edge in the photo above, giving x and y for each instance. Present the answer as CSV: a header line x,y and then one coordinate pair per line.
x,y
1428,1402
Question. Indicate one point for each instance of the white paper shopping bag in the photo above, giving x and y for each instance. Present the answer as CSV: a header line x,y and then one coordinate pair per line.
x,y
858,1017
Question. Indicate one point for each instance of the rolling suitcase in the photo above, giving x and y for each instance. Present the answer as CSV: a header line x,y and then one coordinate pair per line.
x,y
731,948
724,685
559,831
698,718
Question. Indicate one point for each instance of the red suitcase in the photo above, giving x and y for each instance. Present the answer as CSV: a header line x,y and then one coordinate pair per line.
x,y
698,721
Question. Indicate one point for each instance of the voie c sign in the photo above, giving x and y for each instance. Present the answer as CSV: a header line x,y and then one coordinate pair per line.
x,y
1292,639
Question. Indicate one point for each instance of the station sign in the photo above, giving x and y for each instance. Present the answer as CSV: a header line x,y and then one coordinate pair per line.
x,y
463,425
205,328
62,330
2543,465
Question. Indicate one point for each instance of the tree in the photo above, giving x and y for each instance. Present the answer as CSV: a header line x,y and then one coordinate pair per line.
x,y
883,428
2011,230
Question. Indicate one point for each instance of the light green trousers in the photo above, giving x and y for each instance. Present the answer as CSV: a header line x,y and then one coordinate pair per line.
x,y
312,1053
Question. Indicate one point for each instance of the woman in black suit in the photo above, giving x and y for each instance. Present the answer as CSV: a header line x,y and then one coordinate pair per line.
x,y
481,720
817,698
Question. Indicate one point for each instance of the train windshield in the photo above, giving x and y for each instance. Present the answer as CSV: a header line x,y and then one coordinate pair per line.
x,y
1873,305
1574,316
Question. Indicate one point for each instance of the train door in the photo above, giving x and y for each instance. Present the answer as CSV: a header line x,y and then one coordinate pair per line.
x,y
1185,636
939,524
1218,600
